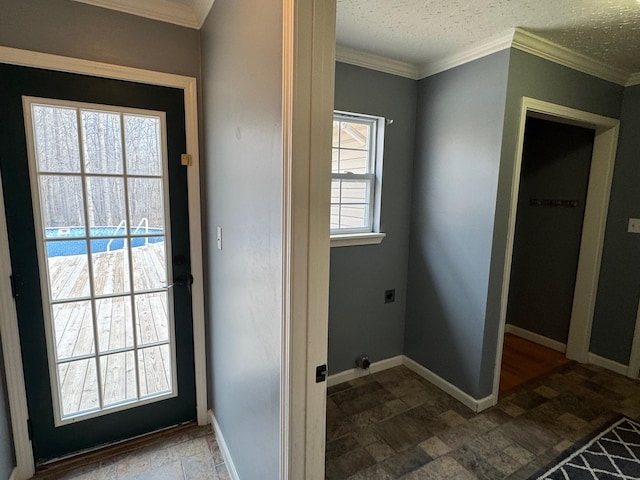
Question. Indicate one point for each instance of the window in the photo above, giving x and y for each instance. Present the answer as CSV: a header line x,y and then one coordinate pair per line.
x,y
356,165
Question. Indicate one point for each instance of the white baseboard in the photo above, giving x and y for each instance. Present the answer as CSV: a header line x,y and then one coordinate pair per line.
x,y
536,338
14,474
354,373
464,398
467,400
224,449
608,364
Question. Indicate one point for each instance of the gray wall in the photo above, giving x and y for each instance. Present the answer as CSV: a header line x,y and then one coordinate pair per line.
x,y
457,157
555,166
72,29
359,320
533,77
242,85
619,286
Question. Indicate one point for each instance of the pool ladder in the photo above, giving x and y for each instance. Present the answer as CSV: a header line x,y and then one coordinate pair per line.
x,y
123,226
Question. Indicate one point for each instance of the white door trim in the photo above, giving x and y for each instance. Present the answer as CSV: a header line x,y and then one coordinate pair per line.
x,y
634,359
595,219
12,356
308,86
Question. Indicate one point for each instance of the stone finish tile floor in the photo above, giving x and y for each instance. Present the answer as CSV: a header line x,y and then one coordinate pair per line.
x,y
395,425
187,455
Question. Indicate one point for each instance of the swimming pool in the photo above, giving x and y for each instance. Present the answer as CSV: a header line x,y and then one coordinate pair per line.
x,y
60,248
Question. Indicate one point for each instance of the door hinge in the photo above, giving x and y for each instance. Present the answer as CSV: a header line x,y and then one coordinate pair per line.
x,y
14,292
321,373
29,429
185,159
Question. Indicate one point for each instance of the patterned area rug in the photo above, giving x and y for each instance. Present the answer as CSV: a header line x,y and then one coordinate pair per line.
x,y
612,454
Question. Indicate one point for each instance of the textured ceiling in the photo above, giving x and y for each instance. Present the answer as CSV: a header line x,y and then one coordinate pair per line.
x,y
422,32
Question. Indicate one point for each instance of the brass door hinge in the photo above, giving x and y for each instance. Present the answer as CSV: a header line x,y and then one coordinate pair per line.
x,y
185,159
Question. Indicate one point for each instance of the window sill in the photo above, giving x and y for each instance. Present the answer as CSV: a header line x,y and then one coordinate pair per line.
x,y
354,239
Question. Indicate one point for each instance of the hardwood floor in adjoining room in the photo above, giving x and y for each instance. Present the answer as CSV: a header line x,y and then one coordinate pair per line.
x,y
523,360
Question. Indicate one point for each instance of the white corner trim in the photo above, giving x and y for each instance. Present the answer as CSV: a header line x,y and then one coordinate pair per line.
x,y
353,239
536,338
372,61
477,405
14,474
467,55
634,79
224,449
543,48
353,373
608,364
162,10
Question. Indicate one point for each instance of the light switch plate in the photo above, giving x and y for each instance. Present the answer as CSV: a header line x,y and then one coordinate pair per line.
x,y
634,225
219,237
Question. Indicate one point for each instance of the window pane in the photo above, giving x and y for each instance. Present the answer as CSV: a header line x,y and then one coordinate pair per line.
x,y
353,216
78,386
149,263
68,269
354,135
143,145
118,373
335,217
62,206
102,142
105,203
355,192
336,134
115,325
56,139
146,205
335,191
73,326
354,161
154,365
110,266
335,163
151,318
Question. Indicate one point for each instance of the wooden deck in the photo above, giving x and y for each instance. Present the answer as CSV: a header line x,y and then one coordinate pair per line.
x,y
74,331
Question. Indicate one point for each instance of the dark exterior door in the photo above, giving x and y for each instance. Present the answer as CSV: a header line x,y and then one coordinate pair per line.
x,y
96,205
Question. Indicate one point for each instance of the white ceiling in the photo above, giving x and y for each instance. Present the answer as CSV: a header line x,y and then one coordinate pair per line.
x,y
424,34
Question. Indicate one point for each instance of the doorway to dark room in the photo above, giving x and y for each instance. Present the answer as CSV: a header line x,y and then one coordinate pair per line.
x,y
554,180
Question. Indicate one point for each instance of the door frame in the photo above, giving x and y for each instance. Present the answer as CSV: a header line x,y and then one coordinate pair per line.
x,y
25,467
307,98
634,359
593,228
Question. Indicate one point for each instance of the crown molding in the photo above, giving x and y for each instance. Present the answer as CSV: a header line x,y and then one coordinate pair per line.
x,y
468,55
162,10
543,48
634,79
376,62
201,9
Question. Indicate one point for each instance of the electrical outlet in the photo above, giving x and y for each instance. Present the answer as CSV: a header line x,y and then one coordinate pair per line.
x,y
390,296
634,225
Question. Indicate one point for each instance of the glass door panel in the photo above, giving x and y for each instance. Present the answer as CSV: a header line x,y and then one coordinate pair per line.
x,y
99,205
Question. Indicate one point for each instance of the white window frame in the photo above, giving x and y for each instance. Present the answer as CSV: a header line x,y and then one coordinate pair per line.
x,y
370,234
59,418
